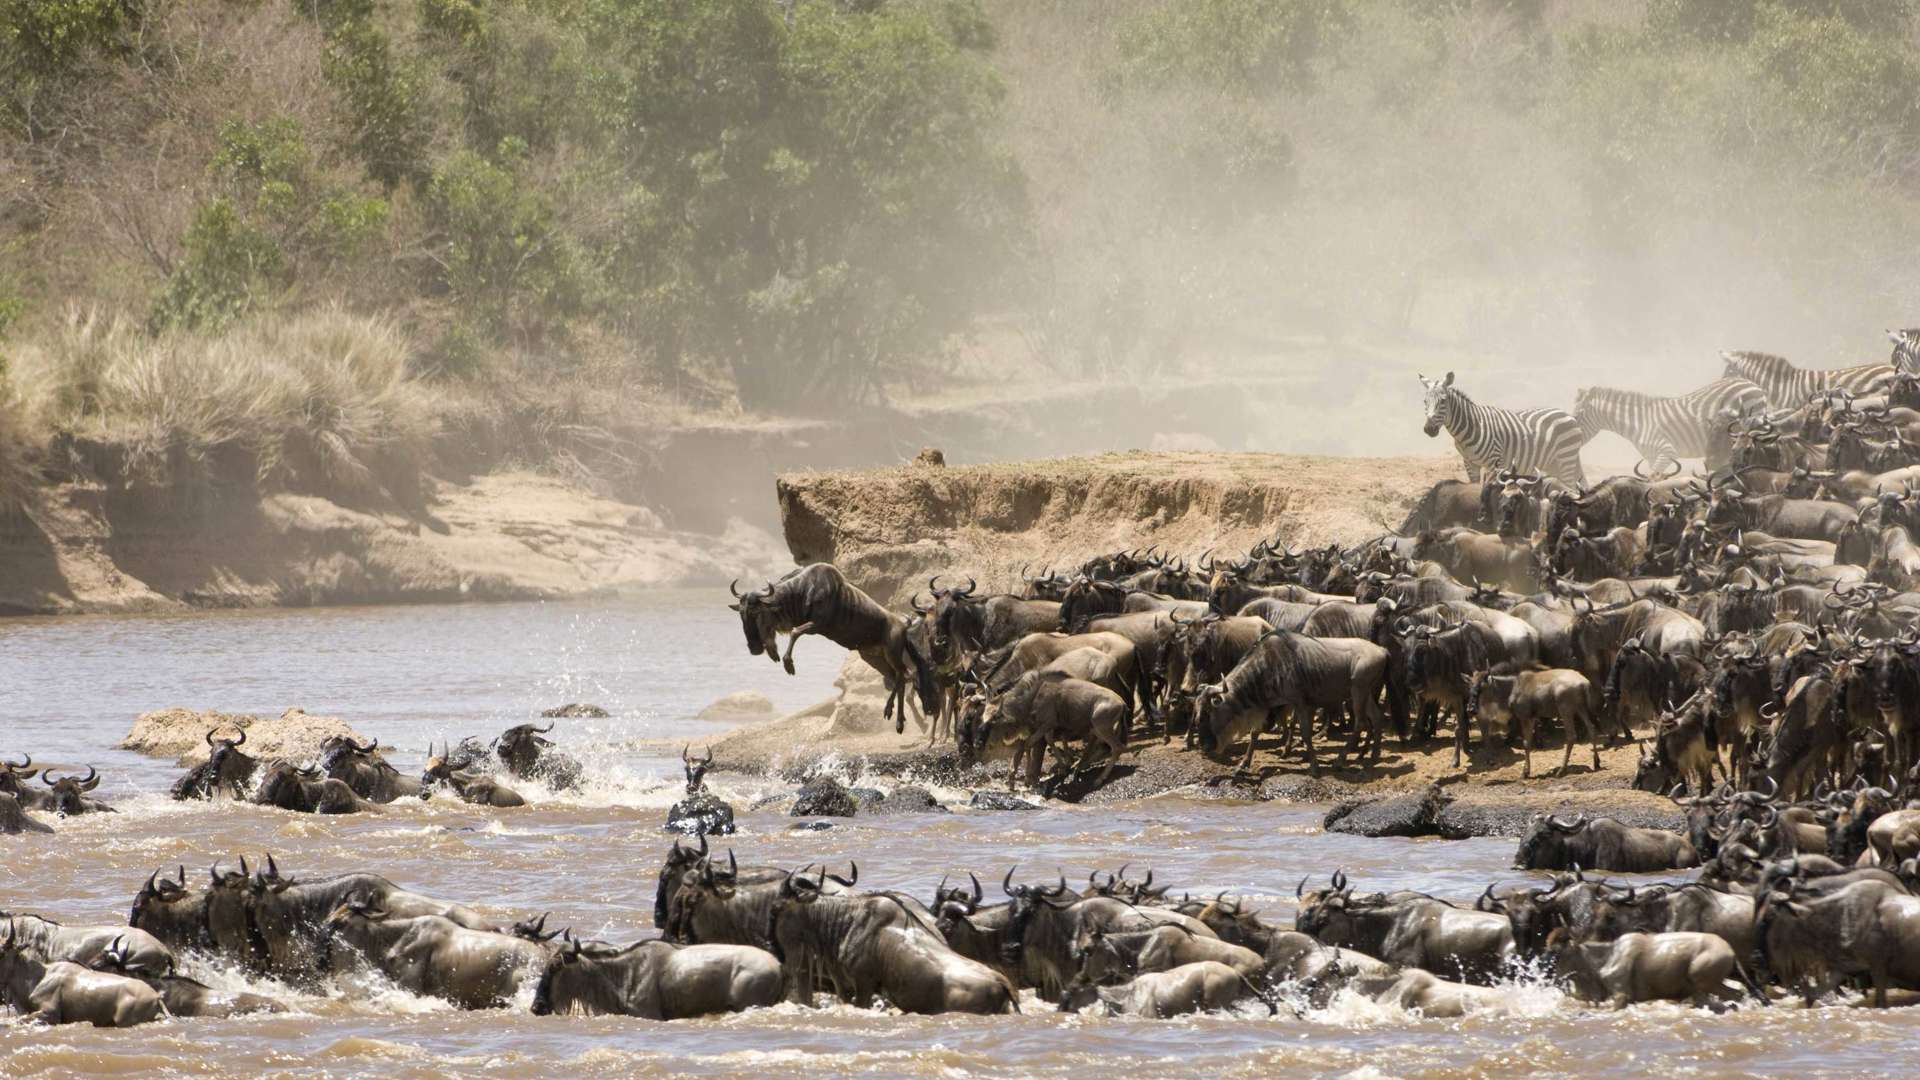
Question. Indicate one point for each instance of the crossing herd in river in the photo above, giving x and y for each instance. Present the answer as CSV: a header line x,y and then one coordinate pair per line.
x,y
1753,627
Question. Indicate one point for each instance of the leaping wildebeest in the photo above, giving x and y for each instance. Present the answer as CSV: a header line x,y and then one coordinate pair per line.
x,y
819,599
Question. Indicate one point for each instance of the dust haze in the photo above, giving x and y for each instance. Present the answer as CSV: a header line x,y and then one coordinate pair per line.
x,y
1537,195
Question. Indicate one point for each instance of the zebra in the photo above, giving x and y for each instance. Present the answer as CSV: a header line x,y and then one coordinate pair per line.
x,y
1666,429
1789,387
1906,349
1544,441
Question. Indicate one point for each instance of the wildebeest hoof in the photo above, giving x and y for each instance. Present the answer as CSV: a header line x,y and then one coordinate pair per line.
x,y
788,664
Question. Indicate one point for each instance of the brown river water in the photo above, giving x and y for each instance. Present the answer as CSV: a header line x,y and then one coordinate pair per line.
x,y
70,688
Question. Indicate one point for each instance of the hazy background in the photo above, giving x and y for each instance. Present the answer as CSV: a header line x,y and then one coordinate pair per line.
x,y
326,244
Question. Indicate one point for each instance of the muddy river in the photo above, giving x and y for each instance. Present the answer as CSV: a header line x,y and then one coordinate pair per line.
x,y
70,688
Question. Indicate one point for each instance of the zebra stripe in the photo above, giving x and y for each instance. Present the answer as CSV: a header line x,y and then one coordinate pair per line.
x,y
1906,349
1789,387
1665,429
1546,441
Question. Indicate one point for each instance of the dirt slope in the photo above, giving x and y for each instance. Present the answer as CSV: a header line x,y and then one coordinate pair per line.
x,y
889,529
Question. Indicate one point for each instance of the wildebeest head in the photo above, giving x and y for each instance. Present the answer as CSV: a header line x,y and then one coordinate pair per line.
x,y
1323,908
1024,900
1098,960
1545,844
696,768
230,767
69,793
166,908
1437,403
951,609
12,776
534,929
680,861
758,620
520,746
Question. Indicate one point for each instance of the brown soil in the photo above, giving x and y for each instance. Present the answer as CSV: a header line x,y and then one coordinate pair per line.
x,y
890,529
1489,790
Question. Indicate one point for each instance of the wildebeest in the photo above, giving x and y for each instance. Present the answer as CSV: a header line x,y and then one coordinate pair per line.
x,y
1285,670
431,954
286,917
1603,844
657,980
469,787
64,992
363,769
529,755
701,811
1045,924
69,795
818,599
1413,990
1676,966
698,903
1050,707
1868,928
878,945
50,941
1203,986
1408,930
228,771
1111,957
963,622
1662,908
190,998
173,912
305,791
13,819
1519,702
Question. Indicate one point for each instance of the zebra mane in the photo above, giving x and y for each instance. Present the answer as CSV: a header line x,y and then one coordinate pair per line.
x,y
1762,359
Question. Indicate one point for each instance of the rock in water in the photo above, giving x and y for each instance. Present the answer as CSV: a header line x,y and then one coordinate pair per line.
x,y
576,709
745,704
702,813
987,799
1405,815
907,800
825,797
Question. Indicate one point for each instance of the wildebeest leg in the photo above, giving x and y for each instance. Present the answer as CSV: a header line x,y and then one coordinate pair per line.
x,y
1036,754
793,636
1302,719
1459,741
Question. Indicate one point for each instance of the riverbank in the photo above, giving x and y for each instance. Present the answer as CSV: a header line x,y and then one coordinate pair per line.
x,y
846,734
890,529
516,535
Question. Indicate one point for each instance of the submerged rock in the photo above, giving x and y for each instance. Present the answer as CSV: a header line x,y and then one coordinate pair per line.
x,y
576,710
907,800
1404,815
703,813
988,799
745,704
810,826
823,796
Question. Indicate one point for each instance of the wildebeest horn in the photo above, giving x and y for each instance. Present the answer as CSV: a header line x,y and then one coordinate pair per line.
x,y
1638,474
151,878
1486,900
734,588
92,781
933,584
1339,880
1299,891
977,894
1006,883
914,603
541,730
210,732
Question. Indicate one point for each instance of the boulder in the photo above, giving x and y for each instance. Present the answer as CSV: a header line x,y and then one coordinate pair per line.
x,y
1405,815
704,813
859,708
182,734
576,710
930,457
824,796
745,705
907,800
988,799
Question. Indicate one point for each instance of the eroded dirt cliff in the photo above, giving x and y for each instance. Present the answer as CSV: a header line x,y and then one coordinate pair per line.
x,y
889,529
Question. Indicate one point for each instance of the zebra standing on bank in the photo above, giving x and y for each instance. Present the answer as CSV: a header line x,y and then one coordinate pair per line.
x,y
1666,429
1546,441
1789,387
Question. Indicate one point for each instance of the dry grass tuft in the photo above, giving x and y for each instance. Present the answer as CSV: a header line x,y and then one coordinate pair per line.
x,y
321,400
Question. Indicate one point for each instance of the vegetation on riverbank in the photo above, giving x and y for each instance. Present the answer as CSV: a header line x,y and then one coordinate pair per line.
x,y
539,224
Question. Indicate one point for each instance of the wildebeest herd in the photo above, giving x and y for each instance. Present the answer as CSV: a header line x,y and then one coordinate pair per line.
x,y
737,937
1752,627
